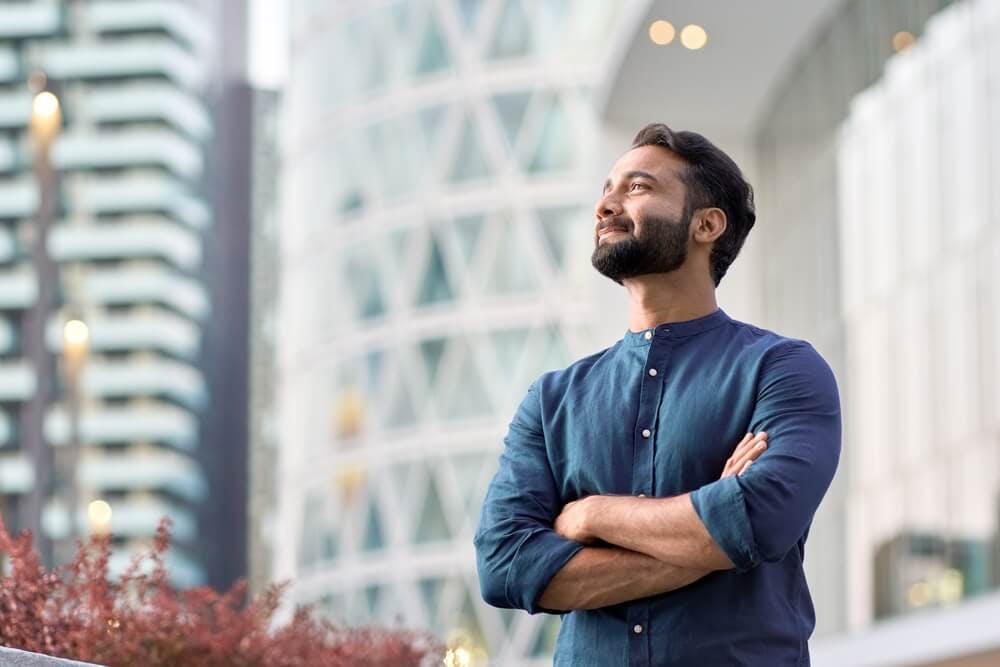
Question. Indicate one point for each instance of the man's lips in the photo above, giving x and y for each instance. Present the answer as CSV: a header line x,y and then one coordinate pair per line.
x,y
611,230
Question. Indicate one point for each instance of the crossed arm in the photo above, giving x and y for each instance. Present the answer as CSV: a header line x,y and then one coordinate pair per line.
x,y
656,544
604,550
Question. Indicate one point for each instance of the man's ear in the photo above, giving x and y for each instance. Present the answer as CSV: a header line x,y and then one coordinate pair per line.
x,y
709,224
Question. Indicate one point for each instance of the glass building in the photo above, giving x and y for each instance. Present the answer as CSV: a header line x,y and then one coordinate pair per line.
x,y
439,165
133,218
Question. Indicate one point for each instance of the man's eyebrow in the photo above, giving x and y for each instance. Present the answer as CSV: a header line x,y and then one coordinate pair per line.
x,y
629,175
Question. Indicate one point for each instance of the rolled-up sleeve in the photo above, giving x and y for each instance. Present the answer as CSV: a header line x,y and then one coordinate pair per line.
x,y
517,551
759,516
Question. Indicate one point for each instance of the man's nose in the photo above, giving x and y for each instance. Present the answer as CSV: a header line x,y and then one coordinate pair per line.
x,y
608,206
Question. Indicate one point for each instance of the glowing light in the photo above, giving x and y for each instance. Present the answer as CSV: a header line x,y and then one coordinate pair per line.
x,y
45,105
76,332
950,585
662,32
919,594
458,657
902,41
694,37
99,513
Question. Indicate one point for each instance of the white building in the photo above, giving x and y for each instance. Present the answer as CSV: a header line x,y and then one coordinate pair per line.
x,y
440,161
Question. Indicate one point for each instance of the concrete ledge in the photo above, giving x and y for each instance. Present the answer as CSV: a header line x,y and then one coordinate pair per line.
x,y
12,657
961,635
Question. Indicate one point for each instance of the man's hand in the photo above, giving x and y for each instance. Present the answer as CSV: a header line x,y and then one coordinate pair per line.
x,y
574,520
750,447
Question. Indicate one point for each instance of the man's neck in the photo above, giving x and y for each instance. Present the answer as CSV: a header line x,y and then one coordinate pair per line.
x,y
659,298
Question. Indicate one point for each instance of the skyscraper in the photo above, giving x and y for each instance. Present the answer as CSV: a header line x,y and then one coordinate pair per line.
x,y
128,236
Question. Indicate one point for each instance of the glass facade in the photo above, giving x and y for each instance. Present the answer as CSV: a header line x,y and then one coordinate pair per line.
x,y
434,182
918,226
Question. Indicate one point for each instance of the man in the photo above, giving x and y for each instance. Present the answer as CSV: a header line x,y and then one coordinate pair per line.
x,y
620,498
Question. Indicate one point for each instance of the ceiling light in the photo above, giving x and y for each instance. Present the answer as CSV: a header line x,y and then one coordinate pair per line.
x,y
902,41
694,37
662,32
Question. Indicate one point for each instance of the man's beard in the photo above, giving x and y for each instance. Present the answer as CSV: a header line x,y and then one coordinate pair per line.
x,y
660,247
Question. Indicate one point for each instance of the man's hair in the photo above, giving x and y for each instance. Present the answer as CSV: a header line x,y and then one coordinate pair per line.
x,y
712,180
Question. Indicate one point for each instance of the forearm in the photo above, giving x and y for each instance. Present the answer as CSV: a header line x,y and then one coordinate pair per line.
x,y
667,529
602,576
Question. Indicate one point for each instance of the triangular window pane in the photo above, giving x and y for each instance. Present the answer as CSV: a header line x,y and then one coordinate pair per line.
x,y
430,122
513,32
469,10
432,350
510,108
470,162
430,593
554,150
467,231
435,288
403,412
401,474
373,594
374,538
469,397
433,525
557,225
512,272
508,346
362,281
555,354
468,620
469,470
434,55
550,22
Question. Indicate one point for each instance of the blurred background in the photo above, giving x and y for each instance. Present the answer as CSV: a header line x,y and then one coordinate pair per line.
x,y
281,271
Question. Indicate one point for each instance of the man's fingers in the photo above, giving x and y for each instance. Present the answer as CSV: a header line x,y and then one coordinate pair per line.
x,y
747,451
746,466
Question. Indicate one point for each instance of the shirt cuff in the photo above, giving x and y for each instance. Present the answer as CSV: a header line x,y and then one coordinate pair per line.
x,y
722,508
539,558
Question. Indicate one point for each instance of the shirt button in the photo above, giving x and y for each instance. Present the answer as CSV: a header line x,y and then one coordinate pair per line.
x,y
649,335
646,433
652,372
637,629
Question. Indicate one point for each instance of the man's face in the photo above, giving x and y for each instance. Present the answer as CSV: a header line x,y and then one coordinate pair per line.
x,y
642,216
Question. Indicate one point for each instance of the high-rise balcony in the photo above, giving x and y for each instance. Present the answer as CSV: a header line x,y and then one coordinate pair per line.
x,y
10,65
17,474
160,471
149,329
145,377
175,18
152,422
138,285
133,239
131,148
146,101
17,380
18,287
29,19
139,194
122,59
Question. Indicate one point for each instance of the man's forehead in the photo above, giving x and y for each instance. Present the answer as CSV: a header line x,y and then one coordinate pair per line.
x,y
655,160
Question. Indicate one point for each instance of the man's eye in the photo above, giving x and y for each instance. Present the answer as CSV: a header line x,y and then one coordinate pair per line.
x,y
637,185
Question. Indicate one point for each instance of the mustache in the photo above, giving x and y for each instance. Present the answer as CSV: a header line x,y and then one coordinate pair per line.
x,y
621,222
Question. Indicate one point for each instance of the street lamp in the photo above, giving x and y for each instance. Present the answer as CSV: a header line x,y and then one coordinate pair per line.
x,y
76,345
45,123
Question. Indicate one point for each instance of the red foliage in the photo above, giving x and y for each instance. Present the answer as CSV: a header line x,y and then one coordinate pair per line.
x,y
77,612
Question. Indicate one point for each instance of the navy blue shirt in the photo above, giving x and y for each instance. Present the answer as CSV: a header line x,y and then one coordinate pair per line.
x,y
606,425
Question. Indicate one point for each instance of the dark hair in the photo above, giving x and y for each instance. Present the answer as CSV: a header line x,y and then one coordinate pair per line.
x,y
712,180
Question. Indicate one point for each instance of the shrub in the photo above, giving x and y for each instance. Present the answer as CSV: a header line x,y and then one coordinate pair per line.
x,y
76,611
